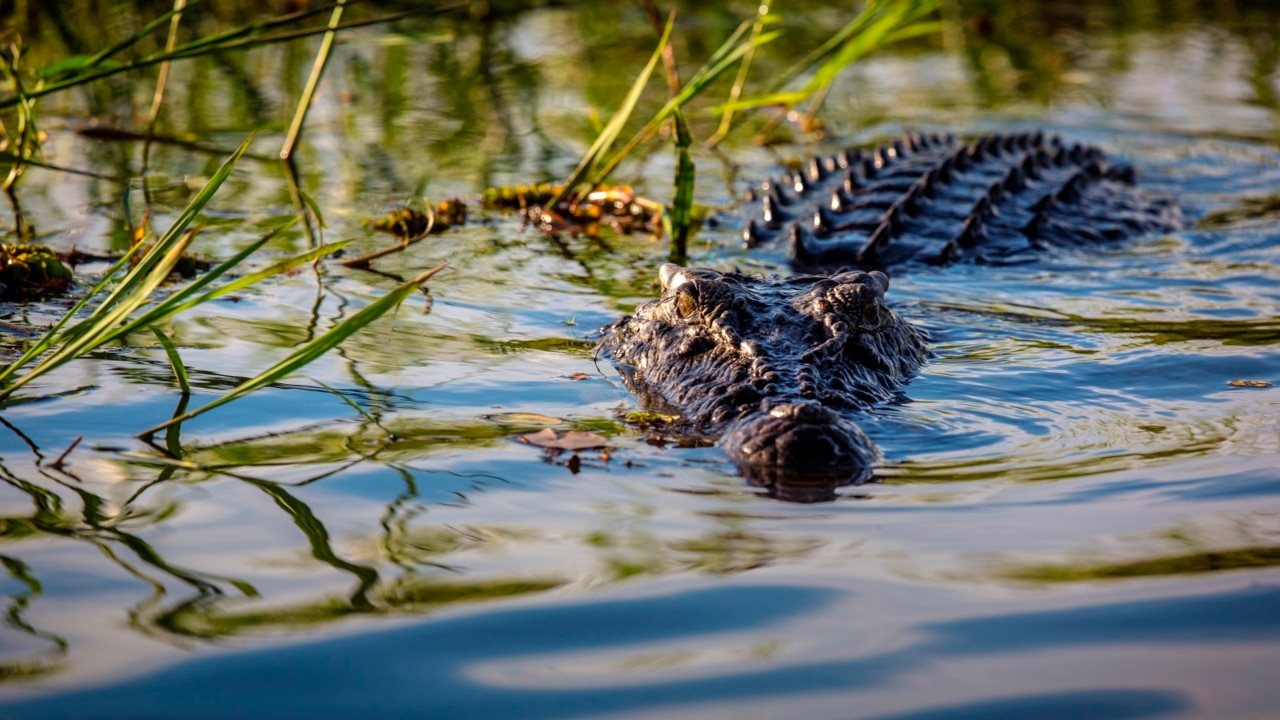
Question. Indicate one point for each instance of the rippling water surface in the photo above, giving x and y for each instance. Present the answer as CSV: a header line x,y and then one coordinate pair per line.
x,y
1078,514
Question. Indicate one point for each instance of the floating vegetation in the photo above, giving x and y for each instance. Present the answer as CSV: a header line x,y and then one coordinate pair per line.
x,y
409,223
617,206
31,272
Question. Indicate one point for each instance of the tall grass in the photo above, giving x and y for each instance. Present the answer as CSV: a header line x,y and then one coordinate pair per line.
x,y
880,23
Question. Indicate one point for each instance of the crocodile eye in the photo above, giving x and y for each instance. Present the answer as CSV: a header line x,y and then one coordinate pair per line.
x,y
871,313
686,303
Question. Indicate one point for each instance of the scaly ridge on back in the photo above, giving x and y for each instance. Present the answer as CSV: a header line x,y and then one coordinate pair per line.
x,y
924,199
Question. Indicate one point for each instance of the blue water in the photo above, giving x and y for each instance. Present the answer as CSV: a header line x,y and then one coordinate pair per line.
x,y
1078,515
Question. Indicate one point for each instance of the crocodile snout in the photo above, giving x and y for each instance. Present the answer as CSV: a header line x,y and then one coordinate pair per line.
x,y
801,449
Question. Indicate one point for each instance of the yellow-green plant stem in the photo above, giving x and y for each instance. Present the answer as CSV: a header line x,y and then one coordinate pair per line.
x,y
308,93
739,82
162,80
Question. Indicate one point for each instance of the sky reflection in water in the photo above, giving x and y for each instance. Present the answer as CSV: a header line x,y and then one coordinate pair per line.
x,y
1078,513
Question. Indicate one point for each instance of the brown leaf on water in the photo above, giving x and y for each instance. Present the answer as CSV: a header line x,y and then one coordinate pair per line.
x,y
579,376
569,440
524,418
1249,383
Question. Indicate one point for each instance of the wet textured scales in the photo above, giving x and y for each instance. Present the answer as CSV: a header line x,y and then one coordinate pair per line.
x,y
929,199
782,366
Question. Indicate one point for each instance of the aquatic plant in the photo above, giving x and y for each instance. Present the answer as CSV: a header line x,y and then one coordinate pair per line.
x,y
880,23
30,271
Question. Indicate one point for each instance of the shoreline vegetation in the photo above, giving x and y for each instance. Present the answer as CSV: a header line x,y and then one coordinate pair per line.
x,y
112,309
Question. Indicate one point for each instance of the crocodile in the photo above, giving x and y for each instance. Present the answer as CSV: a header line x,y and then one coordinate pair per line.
x,y
778,368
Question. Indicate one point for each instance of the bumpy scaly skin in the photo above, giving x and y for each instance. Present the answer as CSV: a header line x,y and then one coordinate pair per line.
x,y
774,366
925,199
771,363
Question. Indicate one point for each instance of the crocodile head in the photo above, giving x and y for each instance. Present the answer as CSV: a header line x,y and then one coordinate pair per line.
x,y
773,367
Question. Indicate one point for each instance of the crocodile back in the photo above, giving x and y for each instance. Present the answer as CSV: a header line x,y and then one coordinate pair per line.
x,y
928,199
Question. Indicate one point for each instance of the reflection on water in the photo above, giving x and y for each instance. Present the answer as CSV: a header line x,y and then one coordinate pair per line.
x,y
1077,512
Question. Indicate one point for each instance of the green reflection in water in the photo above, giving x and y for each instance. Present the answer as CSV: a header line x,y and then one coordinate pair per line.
x,y
387,441
629,548
1108,443
471,113
1209,561
1263,208
52,661
406,595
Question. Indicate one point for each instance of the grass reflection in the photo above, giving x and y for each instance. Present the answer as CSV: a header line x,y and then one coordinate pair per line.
x,y
405,595
53,659
1209,561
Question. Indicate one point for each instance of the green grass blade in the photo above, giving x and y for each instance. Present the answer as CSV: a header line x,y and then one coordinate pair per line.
x,y
187,298
744,67
133,290
880,23
914,30
616,123
354,406
175,360
241,38
11,158
308,92
314,207
309,351
781,98
98,325
52,335
833,43
871,37
724,57
682,203
129,41
174,234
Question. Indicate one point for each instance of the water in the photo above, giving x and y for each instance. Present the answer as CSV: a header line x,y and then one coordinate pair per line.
x,y
1078,514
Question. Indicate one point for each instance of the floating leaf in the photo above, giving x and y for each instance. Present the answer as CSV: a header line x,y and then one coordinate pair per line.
x,y
570,440
524,418
1249,383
